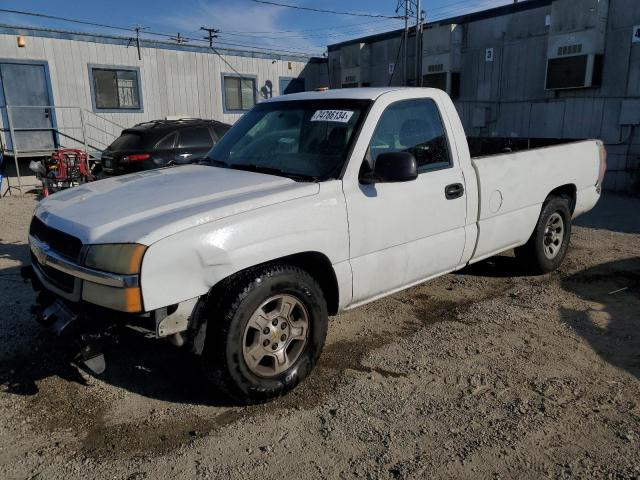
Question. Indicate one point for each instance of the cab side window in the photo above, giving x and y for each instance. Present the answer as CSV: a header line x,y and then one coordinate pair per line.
x,y
413,126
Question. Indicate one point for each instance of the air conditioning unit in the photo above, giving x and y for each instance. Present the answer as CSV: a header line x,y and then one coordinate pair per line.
x,y
441,53
576,44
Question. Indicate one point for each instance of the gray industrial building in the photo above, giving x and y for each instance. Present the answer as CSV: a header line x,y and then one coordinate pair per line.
x,y
541,69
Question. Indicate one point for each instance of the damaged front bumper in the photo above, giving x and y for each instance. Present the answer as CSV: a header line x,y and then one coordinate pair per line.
x,y
92,327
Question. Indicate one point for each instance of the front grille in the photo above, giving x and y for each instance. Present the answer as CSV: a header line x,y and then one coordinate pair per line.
x,y
62,243
62,280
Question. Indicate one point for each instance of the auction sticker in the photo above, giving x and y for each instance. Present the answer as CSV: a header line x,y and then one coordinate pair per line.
x,y
342,116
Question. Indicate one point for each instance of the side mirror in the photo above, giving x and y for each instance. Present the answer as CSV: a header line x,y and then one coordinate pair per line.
x,y
392,167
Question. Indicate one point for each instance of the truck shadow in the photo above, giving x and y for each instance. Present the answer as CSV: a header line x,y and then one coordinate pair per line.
x,y
496,267
18,252
143,366
612,325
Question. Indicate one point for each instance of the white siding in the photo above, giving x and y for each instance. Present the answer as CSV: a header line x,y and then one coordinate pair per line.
x,y
172,82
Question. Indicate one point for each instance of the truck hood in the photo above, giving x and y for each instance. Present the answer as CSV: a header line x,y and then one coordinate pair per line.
x,y
145,207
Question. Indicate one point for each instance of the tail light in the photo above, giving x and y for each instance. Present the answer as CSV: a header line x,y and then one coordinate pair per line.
x,y
603,166
138,157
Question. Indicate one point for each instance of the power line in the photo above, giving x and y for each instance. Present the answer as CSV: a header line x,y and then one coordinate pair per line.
x,y
395,65
333,31
320,10
442,12
255,86
53,17
316,29
466,11
137,30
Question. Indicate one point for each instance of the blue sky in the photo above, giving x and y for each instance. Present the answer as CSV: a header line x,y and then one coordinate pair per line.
x,y
241,22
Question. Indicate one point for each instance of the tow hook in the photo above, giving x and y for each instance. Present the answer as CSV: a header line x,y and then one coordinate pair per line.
x,y
58,317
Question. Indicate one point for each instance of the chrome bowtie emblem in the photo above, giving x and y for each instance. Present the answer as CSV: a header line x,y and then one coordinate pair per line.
x,y
40,251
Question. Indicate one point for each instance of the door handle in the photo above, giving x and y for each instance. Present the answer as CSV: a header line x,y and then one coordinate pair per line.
x,y
453,191
185,155
47,112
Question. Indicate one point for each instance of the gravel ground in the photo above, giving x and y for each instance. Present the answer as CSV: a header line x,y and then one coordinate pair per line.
x,y
483,373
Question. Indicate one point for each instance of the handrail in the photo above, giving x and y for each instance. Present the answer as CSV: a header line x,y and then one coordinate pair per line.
x,y
104,119
77,140
102,131
90,144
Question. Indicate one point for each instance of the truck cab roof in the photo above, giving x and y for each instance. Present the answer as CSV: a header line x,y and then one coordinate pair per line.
x,y
347,94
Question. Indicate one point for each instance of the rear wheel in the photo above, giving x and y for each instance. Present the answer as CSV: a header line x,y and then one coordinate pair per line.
x,y
266,332
547,247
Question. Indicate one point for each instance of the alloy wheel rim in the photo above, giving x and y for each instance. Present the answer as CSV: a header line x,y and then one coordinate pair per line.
x,y
553,236
275,335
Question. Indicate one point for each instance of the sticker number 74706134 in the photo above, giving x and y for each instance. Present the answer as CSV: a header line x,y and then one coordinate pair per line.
x,y
342,116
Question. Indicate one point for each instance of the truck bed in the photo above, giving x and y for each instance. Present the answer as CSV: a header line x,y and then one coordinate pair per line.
x,y
487,146
513,186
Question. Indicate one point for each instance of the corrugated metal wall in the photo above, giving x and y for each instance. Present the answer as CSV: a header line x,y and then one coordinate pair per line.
x,y
506,97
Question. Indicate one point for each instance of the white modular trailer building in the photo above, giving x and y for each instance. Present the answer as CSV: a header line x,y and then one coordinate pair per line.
x,y
72,89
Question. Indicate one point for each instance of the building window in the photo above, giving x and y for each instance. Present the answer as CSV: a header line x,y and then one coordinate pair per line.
x,y
239,93
115,88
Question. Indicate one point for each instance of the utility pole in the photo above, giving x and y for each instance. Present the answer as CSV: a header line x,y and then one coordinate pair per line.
x,y
211,34
418,42
137,29
179,39
405,53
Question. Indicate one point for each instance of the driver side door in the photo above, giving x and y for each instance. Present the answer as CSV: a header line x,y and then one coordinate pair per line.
x,y
404,233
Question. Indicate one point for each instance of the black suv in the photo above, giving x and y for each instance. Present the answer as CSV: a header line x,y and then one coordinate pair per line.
x,y
160,143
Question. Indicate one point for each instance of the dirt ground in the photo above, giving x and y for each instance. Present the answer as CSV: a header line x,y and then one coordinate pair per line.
x,y
483,373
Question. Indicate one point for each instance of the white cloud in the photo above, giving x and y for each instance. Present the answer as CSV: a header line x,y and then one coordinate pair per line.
x,y
230,17
246,18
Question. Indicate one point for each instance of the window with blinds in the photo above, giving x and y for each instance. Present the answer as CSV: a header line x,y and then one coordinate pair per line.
x,y
239,93
116,89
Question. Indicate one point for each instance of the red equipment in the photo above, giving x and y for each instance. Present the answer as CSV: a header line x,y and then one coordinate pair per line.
x,y
66,168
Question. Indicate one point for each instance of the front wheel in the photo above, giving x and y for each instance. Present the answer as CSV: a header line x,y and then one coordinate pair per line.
x,y
549,242
265,333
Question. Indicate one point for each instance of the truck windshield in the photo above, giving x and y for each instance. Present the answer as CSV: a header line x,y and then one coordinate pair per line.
x,y
306,140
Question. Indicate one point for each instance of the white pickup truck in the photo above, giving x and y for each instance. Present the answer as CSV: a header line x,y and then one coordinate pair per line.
x,y
312,204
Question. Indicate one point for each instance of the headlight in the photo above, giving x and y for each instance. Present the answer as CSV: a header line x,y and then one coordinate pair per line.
x,y
122,258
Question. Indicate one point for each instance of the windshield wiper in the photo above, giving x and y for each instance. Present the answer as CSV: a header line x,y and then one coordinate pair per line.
x,y
273,171
214,163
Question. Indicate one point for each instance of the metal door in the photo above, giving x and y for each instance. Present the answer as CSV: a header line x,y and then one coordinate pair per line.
x,y
26,94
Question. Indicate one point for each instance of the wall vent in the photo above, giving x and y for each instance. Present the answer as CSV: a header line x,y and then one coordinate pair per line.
x,y
570,50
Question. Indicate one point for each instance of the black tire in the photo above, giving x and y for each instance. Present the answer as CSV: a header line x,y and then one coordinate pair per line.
x,y
238,298
532,254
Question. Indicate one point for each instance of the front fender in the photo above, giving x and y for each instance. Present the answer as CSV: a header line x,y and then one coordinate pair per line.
x,y
188,264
